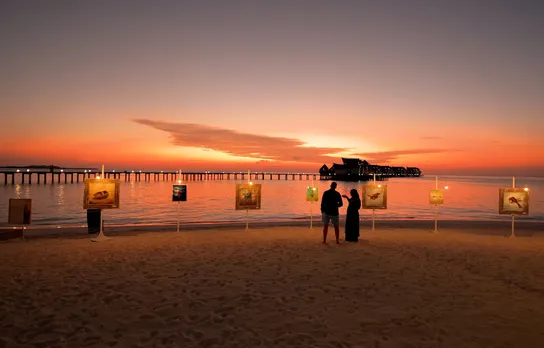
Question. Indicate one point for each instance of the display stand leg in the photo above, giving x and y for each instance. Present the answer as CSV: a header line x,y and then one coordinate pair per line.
x,y
513,234
23,231
373,220
311,216
101,237
177,230
435,219
247,219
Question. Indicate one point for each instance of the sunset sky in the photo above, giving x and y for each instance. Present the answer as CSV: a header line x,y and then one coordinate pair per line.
x,y
454,88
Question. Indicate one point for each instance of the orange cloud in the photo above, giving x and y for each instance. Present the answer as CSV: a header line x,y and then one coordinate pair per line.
x,y
232,142
386,157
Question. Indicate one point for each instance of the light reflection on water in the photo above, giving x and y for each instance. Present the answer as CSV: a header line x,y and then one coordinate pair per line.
x,y
468,198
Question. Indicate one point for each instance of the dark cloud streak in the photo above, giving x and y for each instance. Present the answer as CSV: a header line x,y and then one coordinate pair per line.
x,y
236,143
264,148
391,156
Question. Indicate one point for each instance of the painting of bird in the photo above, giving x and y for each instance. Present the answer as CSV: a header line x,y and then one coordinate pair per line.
x,y
515,201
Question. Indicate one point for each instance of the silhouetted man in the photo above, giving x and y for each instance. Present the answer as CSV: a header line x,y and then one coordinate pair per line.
x,y
330,202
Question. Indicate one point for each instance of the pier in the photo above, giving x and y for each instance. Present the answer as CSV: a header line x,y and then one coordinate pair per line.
x,y
65,175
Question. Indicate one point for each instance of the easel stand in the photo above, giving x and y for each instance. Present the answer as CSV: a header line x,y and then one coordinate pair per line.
x,y
247,219
177,230
247,210
435,210
311,215
100,237
374,211
179,178
311,206
435,219
513,234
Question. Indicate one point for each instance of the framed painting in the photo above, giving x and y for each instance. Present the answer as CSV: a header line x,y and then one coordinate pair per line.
x,y
248,196
436,197
20,211
312,194
513,201
179,193
101,194
374,196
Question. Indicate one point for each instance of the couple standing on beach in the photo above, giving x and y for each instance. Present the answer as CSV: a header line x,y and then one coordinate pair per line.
x,y
330,202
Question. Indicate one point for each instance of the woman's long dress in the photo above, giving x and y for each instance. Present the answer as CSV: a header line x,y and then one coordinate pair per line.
x,y
352,220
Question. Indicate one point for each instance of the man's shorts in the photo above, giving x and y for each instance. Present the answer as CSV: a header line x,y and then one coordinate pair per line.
x,y
332,218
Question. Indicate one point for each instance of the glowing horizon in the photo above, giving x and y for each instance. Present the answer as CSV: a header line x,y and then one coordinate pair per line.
x,y
275,86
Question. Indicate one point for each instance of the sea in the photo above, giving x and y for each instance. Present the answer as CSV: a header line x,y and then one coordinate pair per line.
x,y
213,201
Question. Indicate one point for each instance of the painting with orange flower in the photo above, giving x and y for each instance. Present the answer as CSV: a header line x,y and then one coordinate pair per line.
x,y
248,196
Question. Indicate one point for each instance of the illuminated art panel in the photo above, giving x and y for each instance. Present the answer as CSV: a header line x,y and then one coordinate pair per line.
x,y
514,201
312,194
179,193
101,194
436,197
374,196
248,196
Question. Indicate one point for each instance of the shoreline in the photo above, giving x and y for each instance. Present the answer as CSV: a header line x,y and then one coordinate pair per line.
x,y
523,228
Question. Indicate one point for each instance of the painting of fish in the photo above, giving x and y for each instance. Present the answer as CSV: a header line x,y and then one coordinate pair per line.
x,y
101,194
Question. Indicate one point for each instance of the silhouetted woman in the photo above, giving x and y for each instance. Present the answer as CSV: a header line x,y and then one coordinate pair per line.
x,y
352,217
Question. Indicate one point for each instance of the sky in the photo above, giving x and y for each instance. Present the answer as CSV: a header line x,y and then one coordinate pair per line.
x,y
451,87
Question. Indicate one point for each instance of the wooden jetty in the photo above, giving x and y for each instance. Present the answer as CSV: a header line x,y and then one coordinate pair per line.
x,y
67,175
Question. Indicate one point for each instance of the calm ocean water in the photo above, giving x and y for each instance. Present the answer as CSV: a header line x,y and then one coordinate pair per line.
x,y
468,198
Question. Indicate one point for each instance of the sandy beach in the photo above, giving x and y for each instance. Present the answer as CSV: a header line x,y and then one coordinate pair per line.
x,y
274,287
